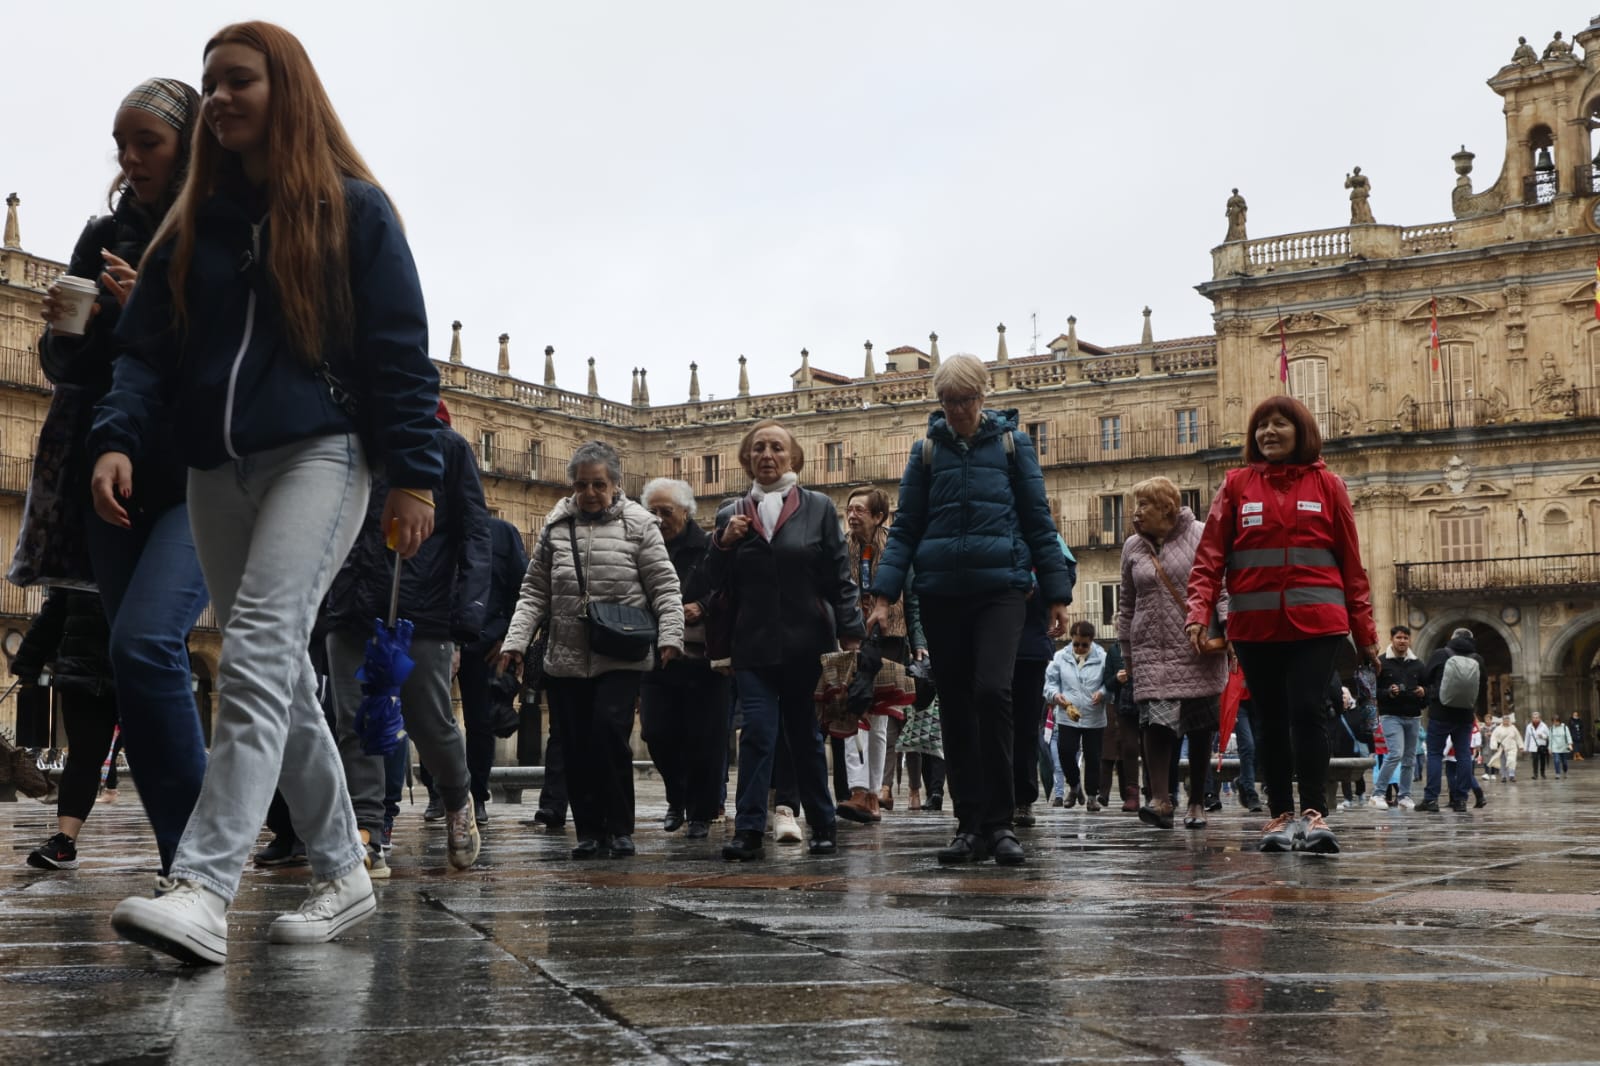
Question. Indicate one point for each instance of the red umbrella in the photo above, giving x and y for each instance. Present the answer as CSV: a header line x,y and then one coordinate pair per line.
x,y
1231,697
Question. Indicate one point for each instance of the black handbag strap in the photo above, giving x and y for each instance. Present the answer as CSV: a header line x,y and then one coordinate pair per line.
x,y
577,564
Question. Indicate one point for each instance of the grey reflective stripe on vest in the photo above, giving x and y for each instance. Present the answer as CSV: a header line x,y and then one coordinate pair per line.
x,y
1239,602
1262,557
1316,595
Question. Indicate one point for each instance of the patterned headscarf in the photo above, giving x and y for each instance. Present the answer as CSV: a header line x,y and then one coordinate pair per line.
x,y
166,98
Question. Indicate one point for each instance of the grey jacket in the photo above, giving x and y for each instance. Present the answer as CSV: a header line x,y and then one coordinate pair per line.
x,y
625,561
1161,663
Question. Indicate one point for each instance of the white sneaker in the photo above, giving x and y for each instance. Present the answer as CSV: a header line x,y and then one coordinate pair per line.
x,y
187,921
1378,802
461,830
1346,805
377,866
1407,803
785,830
330,908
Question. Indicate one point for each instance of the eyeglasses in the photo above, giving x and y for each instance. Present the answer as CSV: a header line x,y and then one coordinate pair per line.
x,y
1080,644
663,512
964,400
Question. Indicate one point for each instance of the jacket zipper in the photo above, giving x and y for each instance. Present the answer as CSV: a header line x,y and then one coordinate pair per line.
x,y
244,344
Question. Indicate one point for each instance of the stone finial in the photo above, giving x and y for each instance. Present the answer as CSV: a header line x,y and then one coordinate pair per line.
x,y
1073,351
694,382
870,373
633,397
805,368
933,351
13,238
505,354
594,382
550,366
455,342
644,388
1001,356
1463,161
744,378
1147,338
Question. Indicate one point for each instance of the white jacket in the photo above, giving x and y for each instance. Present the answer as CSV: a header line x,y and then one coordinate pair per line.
x,y
625,561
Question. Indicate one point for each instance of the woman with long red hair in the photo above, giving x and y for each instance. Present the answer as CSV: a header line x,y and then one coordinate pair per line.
x,y
278,323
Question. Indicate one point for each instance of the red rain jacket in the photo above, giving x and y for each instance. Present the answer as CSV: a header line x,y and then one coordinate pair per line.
x,y
1285,536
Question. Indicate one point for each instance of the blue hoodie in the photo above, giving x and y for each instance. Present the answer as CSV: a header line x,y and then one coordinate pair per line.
x,y
978,521
232,384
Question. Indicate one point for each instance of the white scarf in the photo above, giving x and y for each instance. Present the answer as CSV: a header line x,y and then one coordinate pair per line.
x,y
769,501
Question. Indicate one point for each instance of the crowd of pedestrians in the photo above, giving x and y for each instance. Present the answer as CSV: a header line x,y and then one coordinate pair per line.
x,y
250,416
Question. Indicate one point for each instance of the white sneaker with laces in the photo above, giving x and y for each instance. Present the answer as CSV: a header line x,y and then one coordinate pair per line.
x,y
1346,805
461,830
1378,802
785,829
330,908
1407,803
187,921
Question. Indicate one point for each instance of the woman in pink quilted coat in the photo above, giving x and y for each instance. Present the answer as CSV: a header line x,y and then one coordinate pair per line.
x,y
1174,687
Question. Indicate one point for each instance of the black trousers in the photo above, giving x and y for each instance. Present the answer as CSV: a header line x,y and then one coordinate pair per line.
x,y
1069,740
90,719
683,717
553,793
596,716
1288,712
973,643
473,677
1027,718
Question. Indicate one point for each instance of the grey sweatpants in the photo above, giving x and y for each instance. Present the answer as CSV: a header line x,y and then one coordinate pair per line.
x,y
430,723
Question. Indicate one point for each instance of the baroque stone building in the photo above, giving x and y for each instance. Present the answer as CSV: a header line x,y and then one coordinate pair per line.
x,y
1472,466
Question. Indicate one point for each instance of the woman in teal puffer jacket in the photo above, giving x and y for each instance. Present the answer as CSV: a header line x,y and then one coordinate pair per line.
x,y
974,519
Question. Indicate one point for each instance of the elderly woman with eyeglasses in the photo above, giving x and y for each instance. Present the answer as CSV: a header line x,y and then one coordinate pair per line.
x,y
617,547
974,519
683,703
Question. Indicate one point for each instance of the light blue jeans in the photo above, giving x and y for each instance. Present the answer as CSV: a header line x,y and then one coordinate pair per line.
x,y
1400,736
271,530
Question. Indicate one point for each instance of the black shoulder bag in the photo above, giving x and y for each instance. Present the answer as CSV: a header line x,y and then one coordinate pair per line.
x,y
616,630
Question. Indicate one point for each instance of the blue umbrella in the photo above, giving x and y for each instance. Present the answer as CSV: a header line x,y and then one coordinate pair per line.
x,y
388,663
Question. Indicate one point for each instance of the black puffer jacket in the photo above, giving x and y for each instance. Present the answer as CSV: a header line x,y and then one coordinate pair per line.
x,y
444,588
86,361
508,563
70,637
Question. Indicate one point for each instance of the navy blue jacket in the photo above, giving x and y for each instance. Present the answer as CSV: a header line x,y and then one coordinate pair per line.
x,y
444,588
978,521
508,565
231,381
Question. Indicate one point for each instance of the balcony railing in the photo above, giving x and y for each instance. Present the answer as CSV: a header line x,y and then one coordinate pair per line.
x,y
15,472
1475,579
20,366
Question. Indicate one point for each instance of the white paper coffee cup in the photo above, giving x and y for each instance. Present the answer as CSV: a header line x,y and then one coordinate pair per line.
x,y
77,295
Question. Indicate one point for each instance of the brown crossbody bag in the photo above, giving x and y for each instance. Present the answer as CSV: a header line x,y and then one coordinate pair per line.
x,y
1216,642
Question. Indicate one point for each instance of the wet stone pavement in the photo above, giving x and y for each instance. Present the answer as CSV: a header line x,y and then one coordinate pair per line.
x,y
1432,939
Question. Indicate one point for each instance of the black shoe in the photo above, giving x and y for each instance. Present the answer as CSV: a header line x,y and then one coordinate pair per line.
x,y
1023,816
673,821
966,847
1429,805
1459,806
824,841
281,851
1280,834
1391,795
60,852
1212,803
1479,799
745,845
1072,799
434,812
551,822
698,830
588,848
1006,850
480,813
934,802
621,846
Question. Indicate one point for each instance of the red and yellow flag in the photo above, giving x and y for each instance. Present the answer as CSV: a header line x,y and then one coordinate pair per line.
x,y
1597,288
1433,325
1283,349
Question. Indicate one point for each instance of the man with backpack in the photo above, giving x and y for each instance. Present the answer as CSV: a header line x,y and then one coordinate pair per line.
x,y
1457,684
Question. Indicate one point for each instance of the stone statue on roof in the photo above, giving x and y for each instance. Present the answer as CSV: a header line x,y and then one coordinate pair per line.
x,y
1558,48
1360,189
1237,209
1524,55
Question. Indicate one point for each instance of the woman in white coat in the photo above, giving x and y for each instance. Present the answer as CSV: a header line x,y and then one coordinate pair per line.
x,y
1074,684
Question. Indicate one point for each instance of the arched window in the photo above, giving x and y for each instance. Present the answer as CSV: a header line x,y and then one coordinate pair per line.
x,y
1451,384
1556,526
1308,383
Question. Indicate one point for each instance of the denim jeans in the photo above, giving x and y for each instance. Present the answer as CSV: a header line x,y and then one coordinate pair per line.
x,y
430,722
775,702
271,530
1245,784
1050,753
153,591
1400,736
1460,783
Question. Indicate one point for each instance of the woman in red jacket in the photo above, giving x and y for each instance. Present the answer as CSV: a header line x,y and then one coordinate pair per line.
x,y
1282,531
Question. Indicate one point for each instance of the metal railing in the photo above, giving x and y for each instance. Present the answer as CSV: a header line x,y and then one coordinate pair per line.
x,y
1472,578
20,366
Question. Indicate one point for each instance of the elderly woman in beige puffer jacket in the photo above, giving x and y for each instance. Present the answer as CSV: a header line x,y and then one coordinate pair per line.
x,y
624,560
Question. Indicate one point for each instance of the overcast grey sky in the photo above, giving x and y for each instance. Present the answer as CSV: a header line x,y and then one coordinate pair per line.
x,y
654,183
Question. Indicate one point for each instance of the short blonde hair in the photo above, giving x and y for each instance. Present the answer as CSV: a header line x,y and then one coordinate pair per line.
x,y
1160,491
961,373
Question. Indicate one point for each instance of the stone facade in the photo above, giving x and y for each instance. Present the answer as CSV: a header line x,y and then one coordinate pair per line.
x,y
1472,466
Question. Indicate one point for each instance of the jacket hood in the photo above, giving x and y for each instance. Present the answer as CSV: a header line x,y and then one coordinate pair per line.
x,y
994,422
1462,645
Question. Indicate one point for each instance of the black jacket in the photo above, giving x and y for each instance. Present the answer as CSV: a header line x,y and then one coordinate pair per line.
x,y
1436,661
86,362
793,597
508,562
445,586
70,637
231,380
1410,675
688,552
